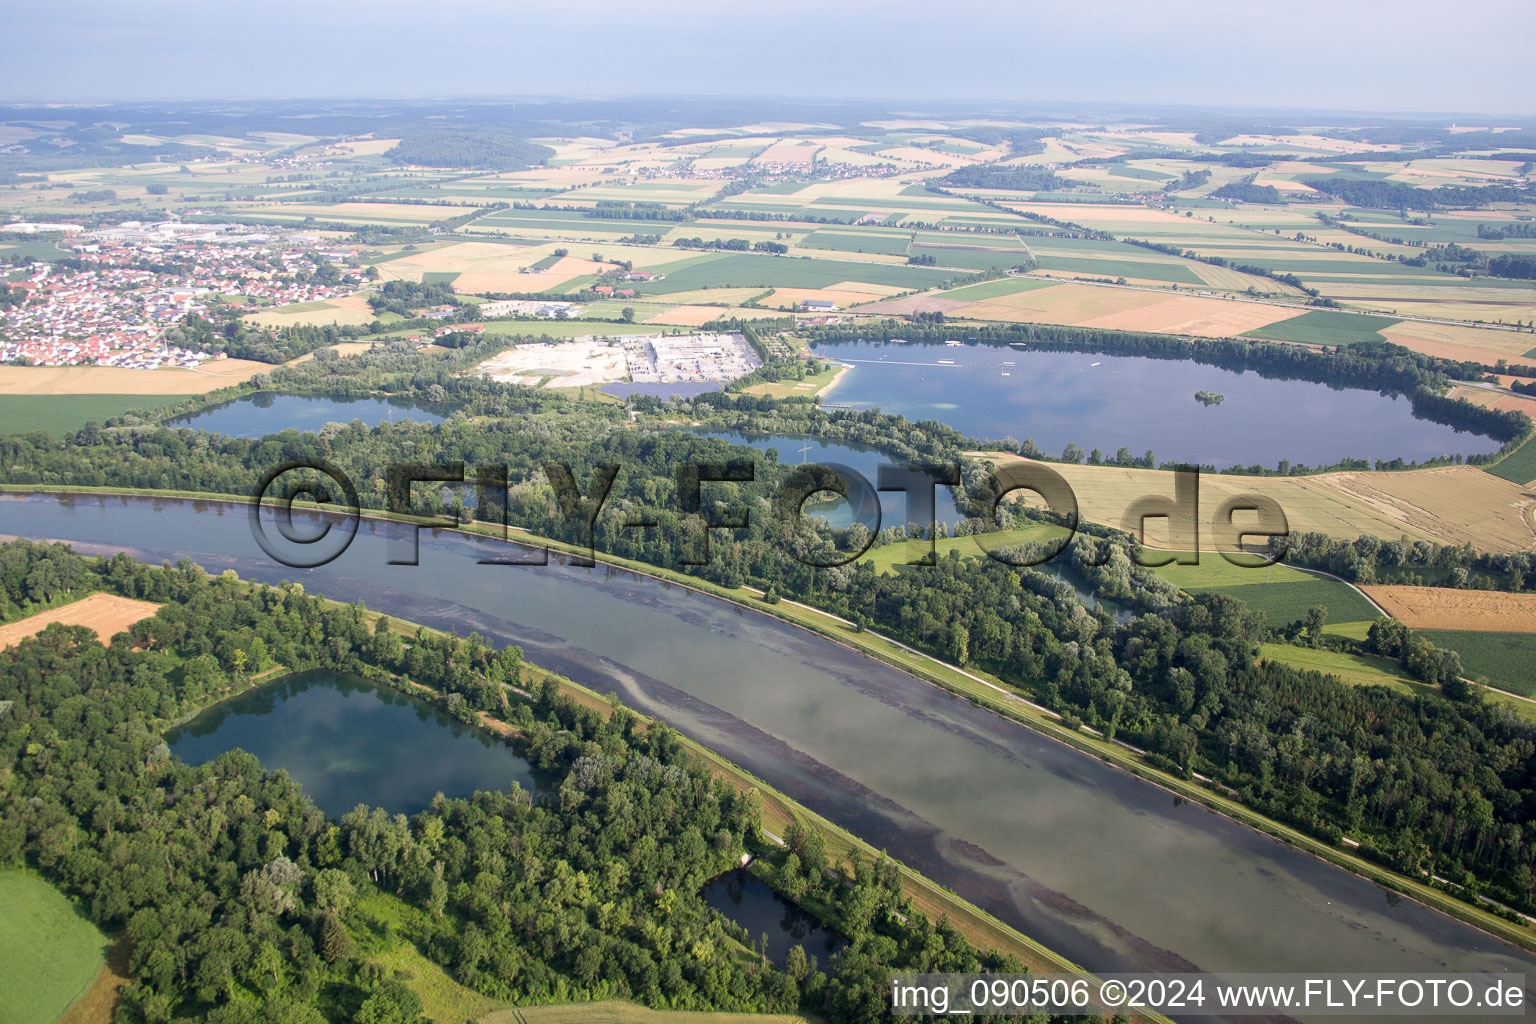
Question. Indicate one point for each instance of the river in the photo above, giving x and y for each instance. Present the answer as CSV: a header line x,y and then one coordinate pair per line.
x,y
1107,869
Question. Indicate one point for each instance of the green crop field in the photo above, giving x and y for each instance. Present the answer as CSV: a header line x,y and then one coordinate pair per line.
x,y
1283,603
997,289
1504,658
1519,466
1215,571
889,557
1174,272
972,257
48,953
58,415
1324,327
888,242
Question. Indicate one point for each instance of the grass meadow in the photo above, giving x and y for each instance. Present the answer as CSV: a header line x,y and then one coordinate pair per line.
x,y
49,954
58,415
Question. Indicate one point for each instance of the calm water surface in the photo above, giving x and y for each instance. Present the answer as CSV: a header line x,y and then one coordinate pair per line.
x,y
761,911
1106,402
263,414
1105,868
348,741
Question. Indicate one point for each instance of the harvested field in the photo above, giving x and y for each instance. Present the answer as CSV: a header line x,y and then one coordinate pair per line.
x,y
1454,341
106,614
1488,611
788,298
1448,505
1083,305
1496,400
1453,504
477,281
118,380
1184,314
689,316
349,310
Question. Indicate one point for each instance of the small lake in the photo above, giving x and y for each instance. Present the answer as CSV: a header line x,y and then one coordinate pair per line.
x,y
1106,402
348,741
754,905
262,414
795,451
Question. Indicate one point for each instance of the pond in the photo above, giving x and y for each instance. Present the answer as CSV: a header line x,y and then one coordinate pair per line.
x,y
266,413
796,450
1106,402
754,905
348,741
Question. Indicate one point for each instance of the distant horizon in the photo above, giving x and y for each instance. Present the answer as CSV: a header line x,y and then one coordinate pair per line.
x,y
969,108
1368,55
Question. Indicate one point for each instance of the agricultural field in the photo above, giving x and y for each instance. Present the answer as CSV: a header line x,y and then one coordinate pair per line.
x,y
117,380
105,614
1283,593
1073,304
1325,327
1284,603
1448,505
1504,659
59,415
49,953
347,311
893,557
1469,610
1518,466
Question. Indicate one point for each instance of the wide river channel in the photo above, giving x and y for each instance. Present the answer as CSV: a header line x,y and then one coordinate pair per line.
x,y
1108,870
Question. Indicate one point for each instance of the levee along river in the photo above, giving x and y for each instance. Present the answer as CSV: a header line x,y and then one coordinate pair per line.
x,y
1106,869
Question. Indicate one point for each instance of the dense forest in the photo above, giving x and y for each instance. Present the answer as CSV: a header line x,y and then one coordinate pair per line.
x,y
1020,179
1513,265
1247,192
1394,195
404,297
243,903
477,150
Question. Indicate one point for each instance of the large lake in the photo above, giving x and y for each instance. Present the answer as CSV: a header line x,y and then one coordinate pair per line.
x,y
1106,402
262,414
348,741
1109,870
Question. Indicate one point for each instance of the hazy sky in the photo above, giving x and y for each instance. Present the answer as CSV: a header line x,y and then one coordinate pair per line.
x,y
1340,54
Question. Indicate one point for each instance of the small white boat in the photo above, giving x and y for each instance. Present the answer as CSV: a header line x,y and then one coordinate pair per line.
x,y
1007,374
1093,364
946,362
